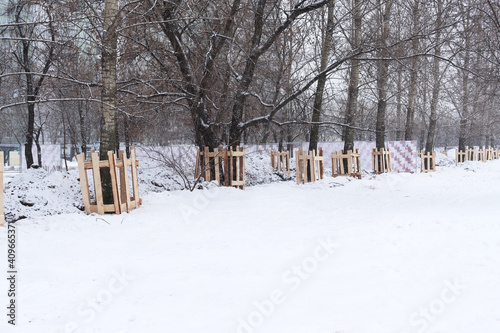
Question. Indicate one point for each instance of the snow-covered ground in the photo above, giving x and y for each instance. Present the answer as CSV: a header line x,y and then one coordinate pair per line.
x,y
391,253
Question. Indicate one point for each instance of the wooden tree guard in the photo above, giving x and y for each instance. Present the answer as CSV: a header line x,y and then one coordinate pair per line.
x,y
123,199
352,159
488,154
2,213
309,166
281,161
460,156
427,162
234,167
471,154
209,164
480,155
381,160
229,163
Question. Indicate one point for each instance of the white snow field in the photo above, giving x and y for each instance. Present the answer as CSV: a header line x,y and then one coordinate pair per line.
x,y
392,253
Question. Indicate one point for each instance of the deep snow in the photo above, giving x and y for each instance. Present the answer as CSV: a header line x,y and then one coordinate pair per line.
x,y
391,253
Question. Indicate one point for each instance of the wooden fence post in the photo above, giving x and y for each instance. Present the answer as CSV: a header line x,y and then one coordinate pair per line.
x,y
84,182
97,183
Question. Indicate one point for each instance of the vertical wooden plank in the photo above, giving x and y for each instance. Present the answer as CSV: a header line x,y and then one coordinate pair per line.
x,y
206,164
126,182
135,177
114,182
300,169
237,178
341,163
389,162
84,182
231,169
216,165
123,190
321,164
243,167
272,160
197,167
288,161
2,212
297,172
332,156
422,168
226,168
97,183
312,163
349,162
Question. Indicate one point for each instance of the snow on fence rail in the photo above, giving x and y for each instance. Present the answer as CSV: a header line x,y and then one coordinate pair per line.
x,y
2,213
123,198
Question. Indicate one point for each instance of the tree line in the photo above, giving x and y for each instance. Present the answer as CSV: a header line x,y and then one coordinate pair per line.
x,y
227,72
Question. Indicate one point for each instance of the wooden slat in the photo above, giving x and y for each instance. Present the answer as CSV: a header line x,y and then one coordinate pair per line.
x,y
227,180
124,181
288,162
84,182
243,168
135,177
237,176
216,165
197,167
97,183
114,182
312,166
206,164
123,191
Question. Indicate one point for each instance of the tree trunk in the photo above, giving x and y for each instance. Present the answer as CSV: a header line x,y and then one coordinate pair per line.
x,y
464,116
320,88
109,57
382,76
83,136
30,134
431,134
353,92
410,113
